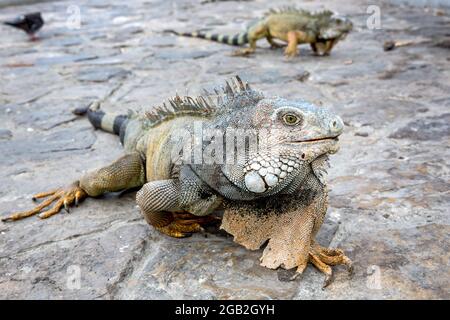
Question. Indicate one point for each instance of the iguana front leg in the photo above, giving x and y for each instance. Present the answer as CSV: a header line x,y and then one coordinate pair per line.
x,y
314,48
305,249
328,46
323,48
293,38
162,201
125,173
323,258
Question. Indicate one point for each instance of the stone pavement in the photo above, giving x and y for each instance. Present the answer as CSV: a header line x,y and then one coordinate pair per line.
x,y
390,181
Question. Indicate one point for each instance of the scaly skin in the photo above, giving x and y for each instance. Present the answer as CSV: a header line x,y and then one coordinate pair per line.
x,y
321,30
178,195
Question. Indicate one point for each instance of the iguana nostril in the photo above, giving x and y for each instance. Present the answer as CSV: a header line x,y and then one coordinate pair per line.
x,y
334,124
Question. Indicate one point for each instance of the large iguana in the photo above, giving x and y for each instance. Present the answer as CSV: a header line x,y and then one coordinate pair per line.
x,y
322,30
261,158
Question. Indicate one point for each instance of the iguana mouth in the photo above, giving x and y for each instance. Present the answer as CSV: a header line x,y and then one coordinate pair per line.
x,y
336,139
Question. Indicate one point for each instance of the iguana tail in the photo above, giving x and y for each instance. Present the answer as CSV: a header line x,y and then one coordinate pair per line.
x,y
105,121
235,40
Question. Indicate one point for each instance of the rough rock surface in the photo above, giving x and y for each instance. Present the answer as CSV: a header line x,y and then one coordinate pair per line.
x,y
390,182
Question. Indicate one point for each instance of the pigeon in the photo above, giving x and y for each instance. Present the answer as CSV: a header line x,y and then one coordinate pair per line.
x,y
30,23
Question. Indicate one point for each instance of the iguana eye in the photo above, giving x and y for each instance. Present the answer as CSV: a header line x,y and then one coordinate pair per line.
x,y
291,119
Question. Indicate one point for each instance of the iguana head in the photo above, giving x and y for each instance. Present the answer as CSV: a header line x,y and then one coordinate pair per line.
x,y
334,27
292,135
296,127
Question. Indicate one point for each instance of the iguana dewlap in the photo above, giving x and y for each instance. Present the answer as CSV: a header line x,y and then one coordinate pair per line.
x,y
261,158
322,30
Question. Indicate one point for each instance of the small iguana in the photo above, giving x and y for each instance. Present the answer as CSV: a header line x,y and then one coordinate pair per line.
x,y
322,30
283,173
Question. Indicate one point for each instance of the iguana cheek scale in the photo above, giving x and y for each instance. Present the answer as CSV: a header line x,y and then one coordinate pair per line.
x,y
276,195
265,172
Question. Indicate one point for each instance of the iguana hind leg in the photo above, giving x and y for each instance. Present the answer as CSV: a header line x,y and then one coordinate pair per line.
x,y
157,201
246,51
254,34
125,173
168,223
162,208
179,225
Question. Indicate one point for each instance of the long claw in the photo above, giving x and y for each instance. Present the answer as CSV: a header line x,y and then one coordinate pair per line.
x,y
79,195
295,275
327,281
299,271
350,269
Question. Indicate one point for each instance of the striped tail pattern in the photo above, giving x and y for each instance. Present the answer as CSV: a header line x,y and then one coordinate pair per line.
x,y
235,40
112,123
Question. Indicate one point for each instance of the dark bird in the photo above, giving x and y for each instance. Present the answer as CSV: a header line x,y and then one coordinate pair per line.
x,y
30,23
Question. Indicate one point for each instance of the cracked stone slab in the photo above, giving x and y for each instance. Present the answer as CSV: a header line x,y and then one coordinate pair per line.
x,y
87,267
210,268
102,213
101,75
181,55
38,147
5,134
394,264
63,59
46,118
430,128
200,268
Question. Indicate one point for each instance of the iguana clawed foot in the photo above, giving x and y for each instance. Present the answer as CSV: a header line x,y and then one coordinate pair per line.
x,y
291,51
185,224
63,197
323,258
243,52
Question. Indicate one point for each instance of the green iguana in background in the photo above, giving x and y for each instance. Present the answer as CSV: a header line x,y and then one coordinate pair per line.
x,y
275,191
322,30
